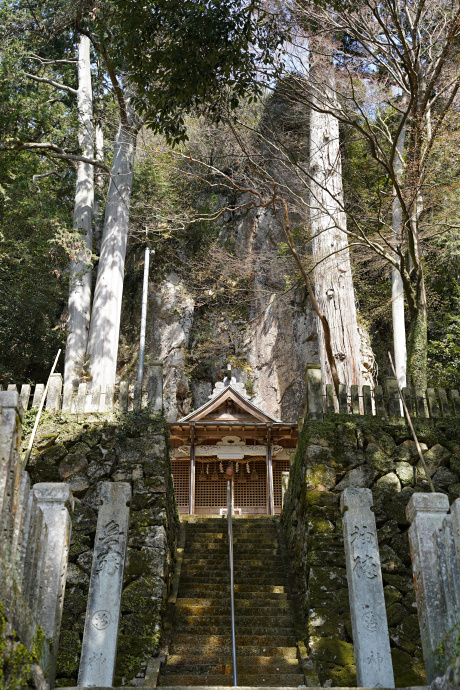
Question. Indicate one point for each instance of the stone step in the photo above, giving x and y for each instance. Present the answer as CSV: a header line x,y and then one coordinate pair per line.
x,y
252,579
271,664
246,607
212,616
242,653
249,577
237,524
205,628
260,590
263,538
223,594
183,642
245,559
275,564
285,680
213,548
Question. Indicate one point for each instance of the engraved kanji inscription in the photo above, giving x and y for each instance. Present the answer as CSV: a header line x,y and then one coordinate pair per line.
x,y
365,566
110,549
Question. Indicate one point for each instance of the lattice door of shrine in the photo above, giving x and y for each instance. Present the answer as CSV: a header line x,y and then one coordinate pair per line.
x,y
181,478
249,489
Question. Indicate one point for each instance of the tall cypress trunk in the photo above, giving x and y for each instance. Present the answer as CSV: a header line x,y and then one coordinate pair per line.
x,y
80,268
332,274
397,287
99,186
105,319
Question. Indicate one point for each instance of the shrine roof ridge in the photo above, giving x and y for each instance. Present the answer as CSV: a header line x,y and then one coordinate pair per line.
x,y
223,394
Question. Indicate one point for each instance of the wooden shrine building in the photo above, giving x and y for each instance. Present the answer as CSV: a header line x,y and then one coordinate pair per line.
x,y
229,428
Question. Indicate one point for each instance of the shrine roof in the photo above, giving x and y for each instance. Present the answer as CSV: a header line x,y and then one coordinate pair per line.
x,y
248,411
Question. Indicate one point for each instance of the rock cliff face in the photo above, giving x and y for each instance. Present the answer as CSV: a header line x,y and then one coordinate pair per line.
x,y
270,341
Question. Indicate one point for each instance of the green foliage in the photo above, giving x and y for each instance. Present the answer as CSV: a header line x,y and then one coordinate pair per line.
x,y
183,55
32,268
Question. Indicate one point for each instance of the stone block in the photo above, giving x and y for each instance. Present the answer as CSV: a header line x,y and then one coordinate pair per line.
x,y
360,477
321,477
378,459
388,485
72,465
436,456
405,472
407,451
443,478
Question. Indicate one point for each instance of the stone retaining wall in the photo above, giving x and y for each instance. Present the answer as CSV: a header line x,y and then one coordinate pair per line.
x,y
342,451
132,448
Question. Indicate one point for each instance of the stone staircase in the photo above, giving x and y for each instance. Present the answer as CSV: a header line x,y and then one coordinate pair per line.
x,y
200,649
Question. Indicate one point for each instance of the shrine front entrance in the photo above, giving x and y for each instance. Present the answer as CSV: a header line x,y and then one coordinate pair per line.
x,y
250,486
230,429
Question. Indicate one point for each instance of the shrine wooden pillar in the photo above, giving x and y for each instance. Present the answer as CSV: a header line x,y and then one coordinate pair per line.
x,y
270,492
192,471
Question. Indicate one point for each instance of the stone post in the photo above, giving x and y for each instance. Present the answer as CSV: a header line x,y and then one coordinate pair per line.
x,y
25,395
10,464
53,398
368,615
284,486
394,403
426,513
38,394
314,391
99,648
155,386
124,396
55,501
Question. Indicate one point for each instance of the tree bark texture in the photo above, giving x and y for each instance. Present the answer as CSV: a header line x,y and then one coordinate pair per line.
x,y
80,269
332,274
397,287
99,187
105,318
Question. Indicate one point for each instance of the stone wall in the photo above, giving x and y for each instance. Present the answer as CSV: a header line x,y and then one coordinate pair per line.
x,y
132,448
342,451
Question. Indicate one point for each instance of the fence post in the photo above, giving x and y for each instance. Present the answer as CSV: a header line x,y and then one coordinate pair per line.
x,y
314,391
155,386
53,399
